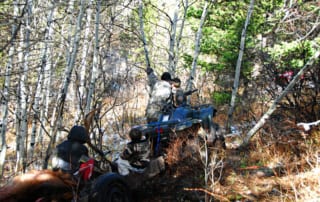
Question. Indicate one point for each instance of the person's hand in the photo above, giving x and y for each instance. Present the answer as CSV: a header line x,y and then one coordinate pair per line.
x,y
149,70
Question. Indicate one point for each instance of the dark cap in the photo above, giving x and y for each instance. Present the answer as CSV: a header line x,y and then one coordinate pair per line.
x,y
78,133
166,76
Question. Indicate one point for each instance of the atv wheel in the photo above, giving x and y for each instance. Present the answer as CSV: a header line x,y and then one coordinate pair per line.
x,y
111,188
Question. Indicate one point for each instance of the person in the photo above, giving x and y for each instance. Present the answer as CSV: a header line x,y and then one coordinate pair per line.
x,y
177,93
160,97
137,151
68,154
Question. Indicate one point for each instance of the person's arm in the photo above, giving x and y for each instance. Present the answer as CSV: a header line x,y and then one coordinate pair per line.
x,y
152,77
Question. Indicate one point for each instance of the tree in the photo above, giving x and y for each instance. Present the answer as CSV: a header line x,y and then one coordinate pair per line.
x,y
42,81
83,66
5,94
22,116
273,106
238,66
59,108
197,46
143,37
94,72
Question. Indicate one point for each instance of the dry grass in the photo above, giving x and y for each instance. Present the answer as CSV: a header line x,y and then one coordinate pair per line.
x,y
275,168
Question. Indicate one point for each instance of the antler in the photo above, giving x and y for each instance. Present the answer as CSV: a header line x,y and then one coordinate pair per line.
x,y
87,124
89,118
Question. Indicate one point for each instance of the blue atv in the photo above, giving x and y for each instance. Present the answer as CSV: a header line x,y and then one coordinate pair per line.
x,y
175,119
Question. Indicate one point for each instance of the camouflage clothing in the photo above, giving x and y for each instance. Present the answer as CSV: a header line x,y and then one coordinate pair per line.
x,y
152,79
160,96
178,97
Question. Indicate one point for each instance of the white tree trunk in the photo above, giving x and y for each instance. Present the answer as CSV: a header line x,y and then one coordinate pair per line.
x,y
57,120
40,84
46,91
172,42
5,94
152,77
85,50
94,71
197,47
68,47
238,66
177,48
273,107
24,59
143,36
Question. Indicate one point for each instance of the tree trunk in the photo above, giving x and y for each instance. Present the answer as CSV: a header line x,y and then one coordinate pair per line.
x,y
40,83
143,36
46,100
177,48
151,79
94,72
62,96
172,43
24,59
238,66
5,95
197,47
273,107
82,74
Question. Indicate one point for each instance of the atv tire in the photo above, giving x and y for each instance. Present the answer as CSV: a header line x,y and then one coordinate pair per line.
x,y
111,187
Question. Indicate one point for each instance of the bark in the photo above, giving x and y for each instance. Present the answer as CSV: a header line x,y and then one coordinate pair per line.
x,y
85,50
63,93
238,66
197,46
24,97
40,83
45,93
177,48
94,71
143,37
151,77
273,106
172,42
5,94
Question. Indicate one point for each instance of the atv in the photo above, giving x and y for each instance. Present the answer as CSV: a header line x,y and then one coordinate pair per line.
x,y
149,141
178,118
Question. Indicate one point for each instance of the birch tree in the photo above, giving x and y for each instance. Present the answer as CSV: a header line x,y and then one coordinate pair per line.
x,y
63,93
94,72
143,36
40,80
24,58
179,37
151,77
238,66
172,42
5,94
197,46
273,106
83,65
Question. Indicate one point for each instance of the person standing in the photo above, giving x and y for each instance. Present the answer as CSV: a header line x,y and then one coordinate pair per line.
x,y
161,95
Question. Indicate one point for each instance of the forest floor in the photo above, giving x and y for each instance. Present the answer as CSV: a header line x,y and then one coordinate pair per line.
x,y
280,164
